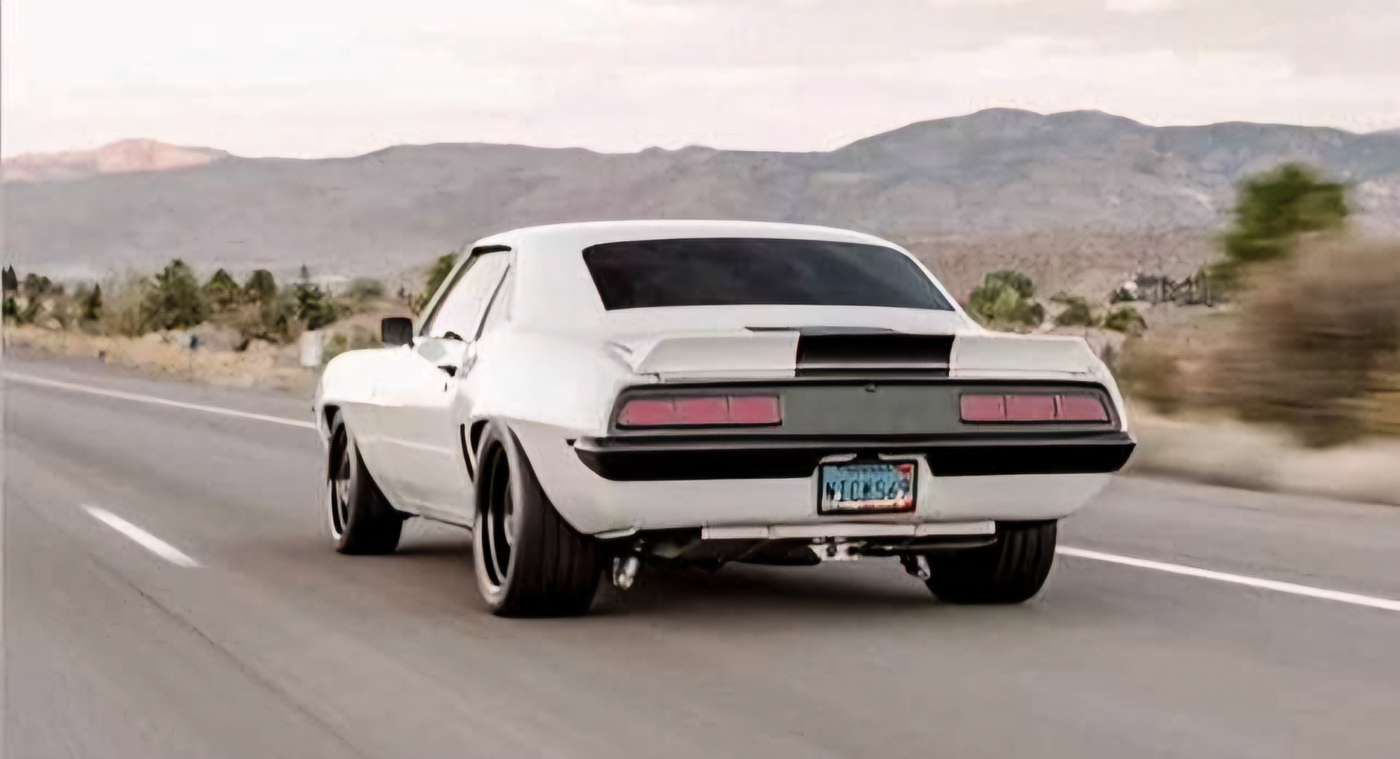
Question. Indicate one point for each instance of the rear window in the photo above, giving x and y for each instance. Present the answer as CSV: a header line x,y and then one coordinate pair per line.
x,y
751,272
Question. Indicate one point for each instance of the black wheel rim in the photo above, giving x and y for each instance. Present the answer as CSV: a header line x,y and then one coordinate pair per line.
x,y
498,530
340,486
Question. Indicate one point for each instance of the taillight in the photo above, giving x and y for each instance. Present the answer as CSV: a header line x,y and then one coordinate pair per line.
x,y
1033,407
698,411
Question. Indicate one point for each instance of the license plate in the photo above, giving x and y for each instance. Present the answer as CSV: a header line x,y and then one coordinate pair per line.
x,y
885,486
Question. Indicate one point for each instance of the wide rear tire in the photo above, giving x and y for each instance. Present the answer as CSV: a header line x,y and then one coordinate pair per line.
x,y
529,561
1009,571
361,519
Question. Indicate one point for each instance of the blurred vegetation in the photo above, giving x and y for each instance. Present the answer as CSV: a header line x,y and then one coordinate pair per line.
x,y
1273,210
173,300
1006,298
1317,342
1312,339
1125,319
358,338
1076,313
437,274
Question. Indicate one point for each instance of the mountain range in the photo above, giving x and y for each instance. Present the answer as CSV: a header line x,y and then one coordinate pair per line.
x,y
1080,199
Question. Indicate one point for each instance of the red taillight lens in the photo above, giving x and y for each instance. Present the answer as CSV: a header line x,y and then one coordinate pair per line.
x,y
983,408
647,413
1032,407
754,409
700,411
1081,408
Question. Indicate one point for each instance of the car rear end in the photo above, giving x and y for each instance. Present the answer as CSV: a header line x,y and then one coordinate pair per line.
x,y
850,409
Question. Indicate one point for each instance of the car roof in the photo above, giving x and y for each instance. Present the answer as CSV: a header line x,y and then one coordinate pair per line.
x,y
552,289
573,237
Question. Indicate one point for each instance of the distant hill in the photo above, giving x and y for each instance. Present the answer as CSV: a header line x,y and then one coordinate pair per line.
x,y
121,157
1082,198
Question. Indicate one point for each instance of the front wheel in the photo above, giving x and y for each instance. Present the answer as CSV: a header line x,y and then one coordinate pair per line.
x,y
361,519
1009,571
529,561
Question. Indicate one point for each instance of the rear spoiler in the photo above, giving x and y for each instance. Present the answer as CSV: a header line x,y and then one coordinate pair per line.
x,y
779,353
788,353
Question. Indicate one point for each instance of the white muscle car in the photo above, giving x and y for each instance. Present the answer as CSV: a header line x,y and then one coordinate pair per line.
x,y
604,396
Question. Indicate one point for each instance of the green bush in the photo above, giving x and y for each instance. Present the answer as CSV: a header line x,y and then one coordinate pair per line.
x,y
314,306
436,276
222,291
261,286
1077,313
1125,319
1272,211
1006,298
90,304
175,300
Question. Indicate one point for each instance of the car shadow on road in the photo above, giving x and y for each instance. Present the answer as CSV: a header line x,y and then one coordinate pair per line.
x,y
440,560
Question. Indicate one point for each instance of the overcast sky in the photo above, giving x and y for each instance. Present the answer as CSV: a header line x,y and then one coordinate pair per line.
x,y
339,77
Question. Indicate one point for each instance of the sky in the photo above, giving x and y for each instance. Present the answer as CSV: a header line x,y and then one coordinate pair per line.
x,y
312,78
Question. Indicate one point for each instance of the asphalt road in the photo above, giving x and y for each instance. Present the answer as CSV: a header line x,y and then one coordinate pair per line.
x,y
254,639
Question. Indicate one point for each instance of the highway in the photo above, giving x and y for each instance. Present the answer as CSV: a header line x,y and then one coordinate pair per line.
x,y
170,591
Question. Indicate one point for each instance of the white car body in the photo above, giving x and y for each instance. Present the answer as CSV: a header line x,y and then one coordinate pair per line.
x,y
545,358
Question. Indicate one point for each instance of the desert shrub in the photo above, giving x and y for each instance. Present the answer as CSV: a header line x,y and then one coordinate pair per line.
x,y
1316,340
364,289
261,286
1077,312
1125,319
222,291
89,303
122,309
362,295
1150,371
358,338
313,306
1006,298
174,300
437,274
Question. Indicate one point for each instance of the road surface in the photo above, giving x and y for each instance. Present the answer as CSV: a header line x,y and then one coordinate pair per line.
x,y
170,591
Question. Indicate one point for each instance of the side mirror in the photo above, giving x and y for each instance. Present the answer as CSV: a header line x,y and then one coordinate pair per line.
x,y
396,330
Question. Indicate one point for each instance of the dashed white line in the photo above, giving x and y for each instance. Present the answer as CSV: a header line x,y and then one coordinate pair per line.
x,y
42,382
142,538
1234,579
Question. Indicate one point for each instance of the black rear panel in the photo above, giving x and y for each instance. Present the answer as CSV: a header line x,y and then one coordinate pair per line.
x,y
873,353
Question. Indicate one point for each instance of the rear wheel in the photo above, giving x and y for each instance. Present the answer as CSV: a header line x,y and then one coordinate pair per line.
x,y
361,519
1009,571
529,561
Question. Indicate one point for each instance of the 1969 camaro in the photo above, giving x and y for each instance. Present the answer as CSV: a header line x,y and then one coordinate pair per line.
x,y
594,398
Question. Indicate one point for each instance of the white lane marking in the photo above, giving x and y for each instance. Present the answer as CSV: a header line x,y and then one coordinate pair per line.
x,y
1253,582
144,539
31,380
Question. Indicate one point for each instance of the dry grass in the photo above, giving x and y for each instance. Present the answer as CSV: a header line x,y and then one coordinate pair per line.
x,y
262,365
1313,345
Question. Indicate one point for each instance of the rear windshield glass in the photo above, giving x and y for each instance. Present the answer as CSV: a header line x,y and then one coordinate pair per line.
x,y
744,272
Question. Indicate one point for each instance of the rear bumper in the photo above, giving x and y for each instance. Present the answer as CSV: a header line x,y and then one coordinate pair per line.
x,y
788,458
594,504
